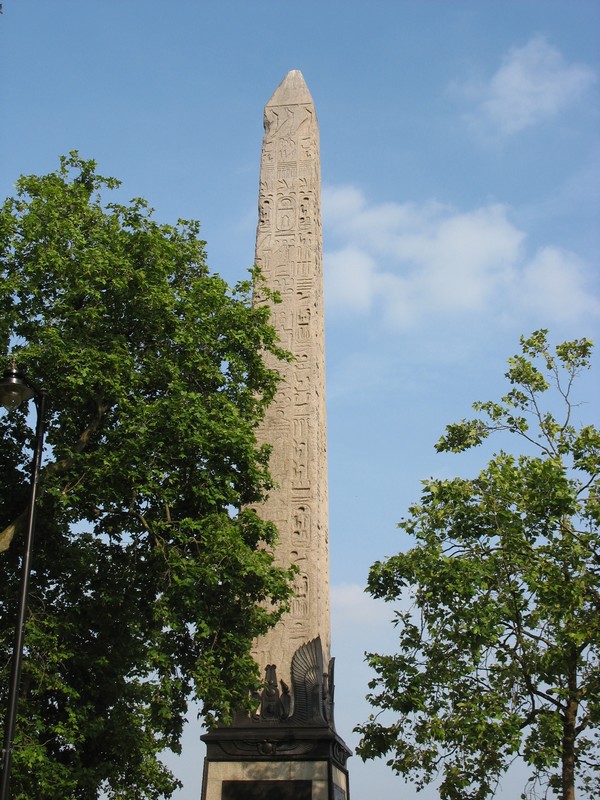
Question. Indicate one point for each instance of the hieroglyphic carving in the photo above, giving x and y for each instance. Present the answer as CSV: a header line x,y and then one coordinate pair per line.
x,y
300,603
303,322
286,213
292,724
301,526
288,250
300,478
284,323
302,388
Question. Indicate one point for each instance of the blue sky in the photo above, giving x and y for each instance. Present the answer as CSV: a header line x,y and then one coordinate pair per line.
x,y
461,167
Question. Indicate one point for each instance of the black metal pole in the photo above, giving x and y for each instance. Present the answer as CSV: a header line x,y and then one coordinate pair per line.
x,y
17,657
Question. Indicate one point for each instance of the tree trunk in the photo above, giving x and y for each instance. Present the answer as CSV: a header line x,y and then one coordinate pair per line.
x,y
568,750
9,533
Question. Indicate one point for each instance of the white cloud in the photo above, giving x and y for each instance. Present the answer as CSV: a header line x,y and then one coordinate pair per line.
x,y
402,263
352,605
553,282
470,255
351,272
532,84
344,202
360,624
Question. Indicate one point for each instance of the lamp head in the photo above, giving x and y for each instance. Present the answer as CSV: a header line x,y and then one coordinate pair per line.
x,y
14,389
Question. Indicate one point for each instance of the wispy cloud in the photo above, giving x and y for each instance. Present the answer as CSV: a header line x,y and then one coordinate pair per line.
x,y
553,283
403,262
352,605
532,84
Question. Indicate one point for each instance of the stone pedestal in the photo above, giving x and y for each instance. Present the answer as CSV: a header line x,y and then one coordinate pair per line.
x,y
276,764
289,749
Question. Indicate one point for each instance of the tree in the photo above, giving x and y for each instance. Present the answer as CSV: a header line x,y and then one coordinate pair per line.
x,y
151,576
499,653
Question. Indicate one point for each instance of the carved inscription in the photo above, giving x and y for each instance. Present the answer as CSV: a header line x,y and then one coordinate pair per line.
x,y
288,250
301,526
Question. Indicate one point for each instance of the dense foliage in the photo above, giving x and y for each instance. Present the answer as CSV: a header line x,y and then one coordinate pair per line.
x,y
150,578
499,636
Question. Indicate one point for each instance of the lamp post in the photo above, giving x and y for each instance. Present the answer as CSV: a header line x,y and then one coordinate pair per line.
x,y
14,390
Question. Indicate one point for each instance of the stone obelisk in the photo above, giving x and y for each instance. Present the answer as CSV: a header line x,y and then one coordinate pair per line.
x,y
289,253
289,749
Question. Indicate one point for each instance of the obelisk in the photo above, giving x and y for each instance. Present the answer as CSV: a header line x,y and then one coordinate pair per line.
x,y
289,748
289,254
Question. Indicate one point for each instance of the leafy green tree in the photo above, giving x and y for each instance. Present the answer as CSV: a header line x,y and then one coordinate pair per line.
x,y
499,636
151,578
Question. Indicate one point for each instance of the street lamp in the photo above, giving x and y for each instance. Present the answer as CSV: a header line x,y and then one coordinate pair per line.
x,y
14,390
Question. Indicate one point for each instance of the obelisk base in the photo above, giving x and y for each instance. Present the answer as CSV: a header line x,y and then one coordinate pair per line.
x,y
275,764
288,749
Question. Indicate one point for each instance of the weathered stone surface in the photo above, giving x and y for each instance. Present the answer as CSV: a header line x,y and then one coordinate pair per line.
x,y
289,746
289,252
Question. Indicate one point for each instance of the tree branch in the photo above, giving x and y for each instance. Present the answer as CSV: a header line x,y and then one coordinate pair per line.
x,y
55,468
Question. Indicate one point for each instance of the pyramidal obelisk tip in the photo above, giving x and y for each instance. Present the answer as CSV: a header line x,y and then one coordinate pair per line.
x,y
291,91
